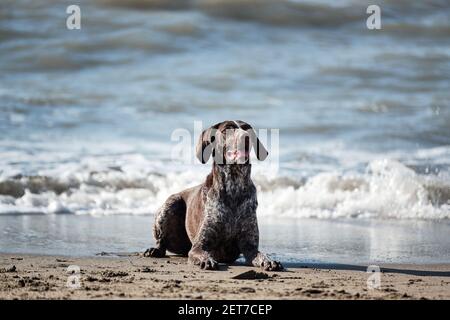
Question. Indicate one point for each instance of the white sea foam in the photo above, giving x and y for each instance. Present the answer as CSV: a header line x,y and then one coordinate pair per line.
x,y
387,189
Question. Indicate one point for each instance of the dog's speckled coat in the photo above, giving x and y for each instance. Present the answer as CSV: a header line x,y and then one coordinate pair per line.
x,y
216,221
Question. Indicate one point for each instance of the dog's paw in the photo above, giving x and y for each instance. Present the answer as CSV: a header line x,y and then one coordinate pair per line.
x,y
209,264
155,253
271,265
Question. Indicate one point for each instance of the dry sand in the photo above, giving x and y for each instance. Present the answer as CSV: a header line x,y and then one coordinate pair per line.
x,y
136,277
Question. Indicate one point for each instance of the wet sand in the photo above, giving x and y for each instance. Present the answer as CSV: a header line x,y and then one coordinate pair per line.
x,y
131,276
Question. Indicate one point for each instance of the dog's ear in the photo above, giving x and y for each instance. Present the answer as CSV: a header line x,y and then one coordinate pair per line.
x,y
206,143
260,151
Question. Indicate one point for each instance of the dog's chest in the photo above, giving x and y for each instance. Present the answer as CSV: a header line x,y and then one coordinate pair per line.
x,y
228,215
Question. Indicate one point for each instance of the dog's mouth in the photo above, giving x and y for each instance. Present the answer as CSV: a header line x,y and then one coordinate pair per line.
x,y
236,156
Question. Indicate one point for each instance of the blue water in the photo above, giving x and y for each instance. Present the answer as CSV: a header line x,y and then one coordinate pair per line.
x,y
86,116
291,241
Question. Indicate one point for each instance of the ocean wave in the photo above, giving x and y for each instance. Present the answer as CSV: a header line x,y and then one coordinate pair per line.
x,y
149,4
281,12
272,12
323,14
388,189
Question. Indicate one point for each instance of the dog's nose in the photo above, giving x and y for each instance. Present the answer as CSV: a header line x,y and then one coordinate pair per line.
x,y
232,154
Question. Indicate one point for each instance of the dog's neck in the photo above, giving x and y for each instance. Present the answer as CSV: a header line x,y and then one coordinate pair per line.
x,y
230,179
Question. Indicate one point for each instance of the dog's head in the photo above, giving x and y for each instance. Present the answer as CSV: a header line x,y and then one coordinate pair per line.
x,y
229,142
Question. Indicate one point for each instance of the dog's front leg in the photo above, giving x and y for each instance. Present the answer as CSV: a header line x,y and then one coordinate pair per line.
x,y
260,259
199,255
248,245
202,258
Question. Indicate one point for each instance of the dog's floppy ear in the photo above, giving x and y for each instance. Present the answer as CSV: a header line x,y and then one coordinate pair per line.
x,y
260,151
206,143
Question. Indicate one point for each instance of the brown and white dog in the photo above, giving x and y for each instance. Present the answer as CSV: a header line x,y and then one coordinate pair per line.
x,y
216,221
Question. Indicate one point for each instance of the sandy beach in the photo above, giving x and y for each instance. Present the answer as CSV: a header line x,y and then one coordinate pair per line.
x,y
131,276
102,122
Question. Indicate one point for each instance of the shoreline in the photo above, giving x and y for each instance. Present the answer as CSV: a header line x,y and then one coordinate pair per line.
x,y
354,241
131,276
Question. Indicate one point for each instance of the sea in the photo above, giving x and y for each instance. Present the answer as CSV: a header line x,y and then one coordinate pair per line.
x,y
358,122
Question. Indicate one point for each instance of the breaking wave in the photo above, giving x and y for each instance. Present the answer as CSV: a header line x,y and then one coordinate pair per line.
x,y
387,189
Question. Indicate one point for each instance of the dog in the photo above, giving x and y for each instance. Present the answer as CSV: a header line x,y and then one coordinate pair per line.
x,y
216,221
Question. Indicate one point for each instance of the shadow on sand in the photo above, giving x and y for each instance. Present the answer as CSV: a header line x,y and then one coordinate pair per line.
x,y
321,266
350,267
